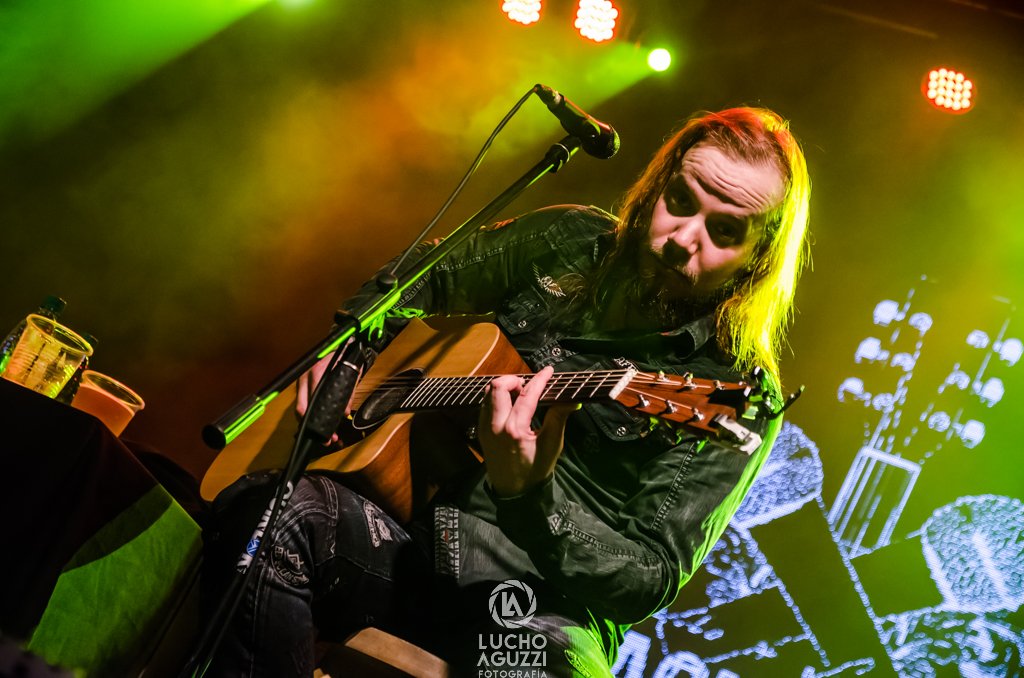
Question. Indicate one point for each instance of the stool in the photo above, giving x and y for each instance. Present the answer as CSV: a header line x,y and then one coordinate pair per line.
x,y
373,653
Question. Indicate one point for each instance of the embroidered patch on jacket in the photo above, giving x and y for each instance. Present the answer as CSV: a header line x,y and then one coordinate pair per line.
x,y
379,530
547,283
289,566
446,541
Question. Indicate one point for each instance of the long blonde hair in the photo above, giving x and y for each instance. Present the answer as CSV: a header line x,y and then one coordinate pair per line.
x,y
751,322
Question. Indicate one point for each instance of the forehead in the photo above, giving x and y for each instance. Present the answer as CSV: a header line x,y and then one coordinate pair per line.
x,y
752,186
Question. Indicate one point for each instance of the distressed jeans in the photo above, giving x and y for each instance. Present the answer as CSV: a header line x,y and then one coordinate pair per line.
x,y
338,563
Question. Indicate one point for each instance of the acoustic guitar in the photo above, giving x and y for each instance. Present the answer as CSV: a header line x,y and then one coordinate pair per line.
x,y
424,372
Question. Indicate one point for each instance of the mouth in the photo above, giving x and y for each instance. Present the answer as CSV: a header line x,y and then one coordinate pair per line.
x,y
676,269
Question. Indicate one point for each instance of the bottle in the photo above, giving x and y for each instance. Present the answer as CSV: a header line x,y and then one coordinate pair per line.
x,y
51,308
67,394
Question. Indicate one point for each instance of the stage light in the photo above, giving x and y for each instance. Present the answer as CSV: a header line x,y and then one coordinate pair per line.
x,y
595,19
659,59
523,11
948,90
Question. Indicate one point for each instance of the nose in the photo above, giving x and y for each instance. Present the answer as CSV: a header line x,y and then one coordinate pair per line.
x,y
687,233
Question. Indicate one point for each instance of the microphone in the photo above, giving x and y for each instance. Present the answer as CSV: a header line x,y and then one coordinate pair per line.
x,y
597,138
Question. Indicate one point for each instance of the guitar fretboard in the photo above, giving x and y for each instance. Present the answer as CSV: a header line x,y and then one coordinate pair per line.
x,y
565,387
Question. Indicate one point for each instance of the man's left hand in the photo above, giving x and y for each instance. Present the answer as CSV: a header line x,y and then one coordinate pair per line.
x,y
517,457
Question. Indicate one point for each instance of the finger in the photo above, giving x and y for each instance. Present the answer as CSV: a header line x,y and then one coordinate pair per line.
x,y
553,429
497,403
526,405
550,442
307,384
301,401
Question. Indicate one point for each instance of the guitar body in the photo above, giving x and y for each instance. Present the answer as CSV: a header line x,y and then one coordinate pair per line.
x,y
388,466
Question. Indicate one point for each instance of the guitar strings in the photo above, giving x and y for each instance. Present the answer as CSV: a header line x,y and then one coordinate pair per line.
x,y
564,378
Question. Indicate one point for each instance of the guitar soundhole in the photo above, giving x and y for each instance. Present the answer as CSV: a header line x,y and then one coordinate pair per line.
x,y
387,399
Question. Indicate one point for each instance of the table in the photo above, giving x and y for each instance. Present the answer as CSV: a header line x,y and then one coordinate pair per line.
x,y
97,554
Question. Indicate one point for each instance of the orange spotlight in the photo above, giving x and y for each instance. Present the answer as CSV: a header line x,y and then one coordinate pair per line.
x,y
595,19
523,11
948,90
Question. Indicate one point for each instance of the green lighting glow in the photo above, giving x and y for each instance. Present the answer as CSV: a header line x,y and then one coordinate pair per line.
x,y
659,59
61,60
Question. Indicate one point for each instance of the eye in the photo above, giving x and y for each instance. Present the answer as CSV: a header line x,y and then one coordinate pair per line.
x,y
678,199
726,232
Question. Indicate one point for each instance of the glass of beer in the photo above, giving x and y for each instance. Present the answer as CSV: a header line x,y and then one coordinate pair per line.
x,y
108,400
46,356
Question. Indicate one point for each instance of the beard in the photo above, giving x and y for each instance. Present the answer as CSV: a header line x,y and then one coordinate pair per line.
x,y
664,291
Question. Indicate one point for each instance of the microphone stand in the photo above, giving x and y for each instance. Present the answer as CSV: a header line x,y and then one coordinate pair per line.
x,y
334,391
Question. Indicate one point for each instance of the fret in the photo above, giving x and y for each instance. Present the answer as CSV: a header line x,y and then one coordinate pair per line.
x,y
465,391
447,389
580,387
565,380
567,384
472,390
415,398
442,388
456,388
480,386
604,378
440,392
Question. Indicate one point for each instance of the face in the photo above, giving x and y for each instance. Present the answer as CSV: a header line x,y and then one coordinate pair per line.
x,y
707,223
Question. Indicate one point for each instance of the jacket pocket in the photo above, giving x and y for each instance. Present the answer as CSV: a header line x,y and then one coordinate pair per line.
x,y
522,313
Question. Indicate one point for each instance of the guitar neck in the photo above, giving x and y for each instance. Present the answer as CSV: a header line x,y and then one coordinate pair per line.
x,y
563,387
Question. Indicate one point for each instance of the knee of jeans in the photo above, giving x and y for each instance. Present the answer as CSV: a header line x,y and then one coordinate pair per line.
x,y
243,508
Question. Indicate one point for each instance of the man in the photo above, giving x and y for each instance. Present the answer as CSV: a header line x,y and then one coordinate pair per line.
x,y
601,514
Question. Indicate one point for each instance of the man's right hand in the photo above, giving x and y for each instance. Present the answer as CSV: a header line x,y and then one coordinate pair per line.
x,y
305,386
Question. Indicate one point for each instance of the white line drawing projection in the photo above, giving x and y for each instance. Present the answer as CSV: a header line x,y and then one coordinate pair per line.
x,y
874,595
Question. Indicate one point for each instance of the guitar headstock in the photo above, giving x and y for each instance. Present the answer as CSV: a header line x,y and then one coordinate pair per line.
x,y
704,406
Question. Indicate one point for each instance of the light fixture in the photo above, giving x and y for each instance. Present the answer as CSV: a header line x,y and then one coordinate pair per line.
x,y
949,90
595,19
522,11
659,59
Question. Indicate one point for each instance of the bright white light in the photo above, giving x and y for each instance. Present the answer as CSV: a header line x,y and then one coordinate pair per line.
x,y
659,59
948,90
595,19
522,11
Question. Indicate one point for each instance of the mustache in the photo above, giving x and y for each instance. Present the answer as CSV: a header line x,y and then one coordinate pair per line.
x,y
672,263
674,255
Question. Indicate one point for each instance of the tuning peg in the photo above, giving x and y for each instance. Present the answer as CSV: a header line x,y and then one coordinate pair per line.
x,y
789,401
